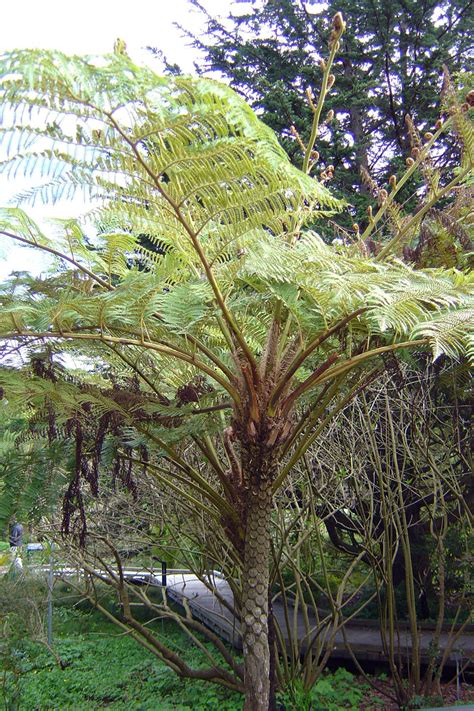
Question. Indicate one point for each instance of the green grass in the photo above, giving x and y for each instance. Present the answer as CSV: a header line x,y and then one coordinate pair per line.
x,y
111,673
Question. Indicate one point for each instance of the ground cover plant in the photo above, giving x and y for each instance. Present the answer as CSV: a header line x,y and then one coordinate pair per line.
x,y
101,668
218,355
95,666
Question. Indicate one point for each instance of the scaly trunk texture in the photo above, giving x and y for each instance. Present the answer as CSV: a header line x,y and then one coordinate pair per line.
x,y
255,599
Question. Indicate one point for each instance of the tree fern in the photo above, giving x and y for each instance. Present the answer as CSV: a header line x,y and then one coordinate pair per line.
x,y
232,344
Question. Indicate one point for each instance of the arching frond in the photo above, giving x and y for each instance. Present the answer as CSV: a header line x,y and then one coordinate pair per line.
x,y
32,477
198,249
312,275
181,154
449,333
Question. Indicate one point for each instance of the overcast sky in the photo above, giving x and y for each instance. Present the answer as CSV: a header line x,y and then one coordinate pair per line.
x,y
91,27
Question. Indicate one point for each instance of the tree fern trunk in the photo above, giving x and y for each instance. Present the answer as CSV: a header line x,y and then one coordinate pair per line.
x,y
255,599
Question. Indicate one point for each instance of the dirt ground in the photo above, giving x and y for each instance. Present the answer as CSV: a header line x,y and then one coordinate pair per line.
x,y
375,700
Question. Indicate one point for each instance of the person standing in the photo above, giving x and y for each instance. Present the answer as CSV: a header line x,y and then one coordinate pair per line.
x,y
16,542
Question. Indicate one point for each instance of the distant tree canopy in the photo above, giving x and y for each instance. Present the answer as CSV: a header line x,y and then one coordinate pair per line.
x,y
389,66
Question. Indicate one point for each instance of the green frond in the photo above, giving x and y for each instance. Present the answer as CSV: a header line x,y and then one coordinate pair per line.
x,y
32,478
188,154
184,181
401,303
320,285
451,333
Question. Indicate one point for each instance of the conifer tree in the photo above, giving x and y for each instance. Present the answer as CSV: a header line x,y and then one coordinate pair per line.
x,y
389,66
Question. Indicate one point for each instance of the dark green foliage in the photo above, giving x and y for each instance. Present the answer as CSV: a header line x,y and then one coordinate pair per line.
x,y
99,668
32,472
113,672
389,66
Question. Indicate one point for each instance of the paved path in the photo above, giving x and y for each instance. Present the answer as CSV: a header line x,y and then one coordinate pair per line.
x,y
205,604
214,607
365,641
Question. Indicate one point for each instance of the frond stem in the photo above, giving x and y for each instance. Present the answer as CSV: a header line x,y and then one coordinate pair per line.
x,y
319,108
160,475
310,437
212,357
303,355
56,253
421,213
405,177
197,247
163,399
195,478
362,357
206,447
107,339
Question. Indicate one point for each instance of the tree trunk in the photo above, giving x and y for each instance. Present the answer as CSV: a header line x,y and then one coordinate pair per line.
x,y
357,129
255,585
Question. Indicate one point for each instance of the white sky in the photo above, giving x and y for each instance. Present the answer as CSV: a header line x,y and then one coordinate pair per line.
x,y
91,27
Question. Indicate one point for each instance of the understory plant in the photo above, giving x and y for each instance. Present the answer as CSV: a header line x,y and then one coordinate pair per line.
x,y
216,334
23,623
391,479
